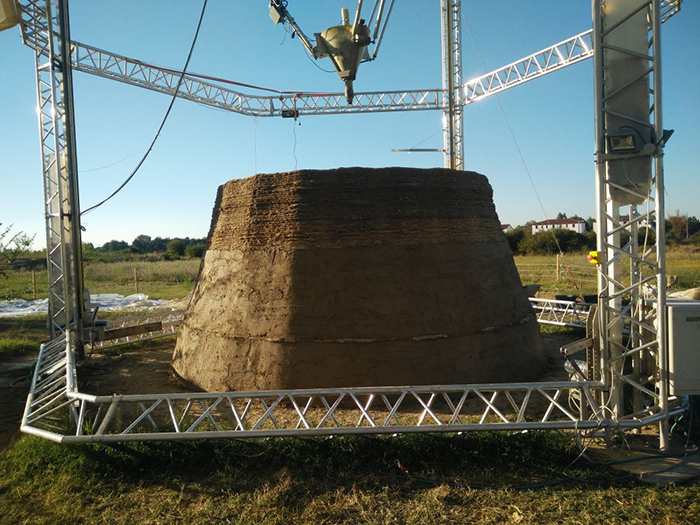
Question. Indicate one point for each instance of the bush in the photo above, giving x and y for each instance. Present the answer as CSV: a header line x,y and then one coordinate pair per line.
x,y
195,251
176,248
544,243
514,238
12,245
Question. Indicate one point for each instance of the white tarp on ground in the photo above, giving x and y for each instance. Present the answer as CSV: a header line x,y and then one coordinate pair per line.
x,y
106,301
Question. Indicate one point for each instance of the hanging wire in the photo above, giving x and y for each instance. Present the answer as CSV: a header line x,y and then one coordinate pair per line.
x,y
108,165
426,139
294,128
165,118
574,283
255,144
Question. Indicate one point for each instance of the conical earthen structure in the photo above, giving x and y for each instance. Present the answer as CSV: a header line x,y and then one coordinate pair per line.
x,y
357,277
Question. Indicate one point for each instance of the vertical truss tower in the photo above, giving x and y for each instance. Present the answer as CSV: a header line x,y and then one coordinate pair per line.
x,y
452,84
47,29
630,196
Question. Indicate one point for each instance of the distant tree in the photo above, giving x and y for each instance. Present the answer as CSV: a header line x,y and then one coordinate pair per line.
x,y
561,215
114,246
590,221
176,247
678,225
544,243
88,251
515,237
159,244
12,245
195,251
143,244
646,236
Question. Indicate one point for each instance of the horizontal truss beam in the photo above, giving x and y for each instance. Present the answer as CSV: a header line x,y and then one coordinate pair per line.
x,y
213,92
56,410
561,313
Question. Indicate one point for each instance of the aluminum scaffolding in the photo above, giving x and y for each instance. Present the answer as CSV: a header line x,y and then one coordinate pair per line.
x,y
628,103
627,349
50,39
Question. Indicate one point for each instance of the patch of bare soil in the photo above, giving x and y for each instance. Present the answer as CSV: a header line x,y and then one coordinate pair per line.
x,y
15,375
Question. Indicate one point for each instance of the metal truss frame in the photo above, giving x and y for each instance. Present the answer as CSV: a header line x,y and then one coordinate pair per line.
x,y
98,62
57,410
561,313
139,328
48,31
453,111
565,53
632,312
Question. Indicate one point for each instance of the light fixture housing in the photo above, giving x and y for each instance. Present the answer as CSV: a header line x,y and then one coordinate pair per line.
x,y
623,142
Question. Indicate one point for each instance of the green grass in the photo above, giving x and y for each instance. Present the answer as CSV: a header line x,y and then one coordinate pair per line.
x,y
21,335
474,478
157,279
175,279
541,269
684,264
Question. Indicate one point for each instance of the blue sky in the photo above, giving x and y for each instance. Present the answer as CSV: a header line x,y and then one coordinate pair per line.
x,y
201,148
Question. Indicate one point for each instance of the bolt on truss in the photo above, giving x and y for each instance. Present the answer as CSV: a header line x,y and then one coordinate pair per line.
x,y
628,101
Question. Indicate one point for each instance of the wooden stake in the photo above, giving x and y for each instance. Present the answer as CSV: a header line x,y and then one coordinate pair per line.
x,y
34,283
136,279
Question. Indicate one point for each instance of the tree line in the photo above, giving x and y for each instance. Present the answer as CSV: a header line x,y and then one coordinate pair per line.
x,y
680,230
165,247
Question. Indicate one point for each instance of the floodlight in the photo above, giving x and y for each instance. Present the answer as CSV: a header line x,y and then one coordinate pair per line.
x,y
622,142
276,13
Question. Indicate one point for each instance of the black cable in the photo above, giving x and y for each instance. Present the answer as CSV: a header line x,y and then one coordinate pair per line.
x,y
165,118
27,378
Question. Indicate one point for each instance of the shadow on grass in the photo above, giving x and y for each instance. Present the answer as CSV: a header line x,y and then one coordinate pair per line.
x,y
473,478
476,460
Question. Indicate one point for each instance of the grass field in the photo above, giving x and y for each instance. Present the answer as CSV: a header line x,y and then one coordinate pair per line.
x,y
157,279
175,279
474,478
521,478
576,275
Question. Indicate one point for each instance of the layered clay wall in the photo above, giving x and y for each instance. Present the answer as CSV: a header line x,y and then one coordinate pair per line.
x,y
357,277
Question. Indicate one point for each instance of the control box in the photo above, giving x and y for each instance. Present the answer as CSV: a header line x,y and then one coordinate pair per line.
x,y
684,347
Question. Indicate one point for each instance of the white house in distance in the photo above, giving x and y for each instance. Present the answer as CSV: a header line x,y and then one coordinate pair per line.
x,y
507,228
641,223
576,225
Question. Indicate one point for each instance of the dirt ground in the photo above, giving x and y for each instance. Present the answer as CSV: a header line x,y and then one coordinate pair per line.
x,y
145,368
